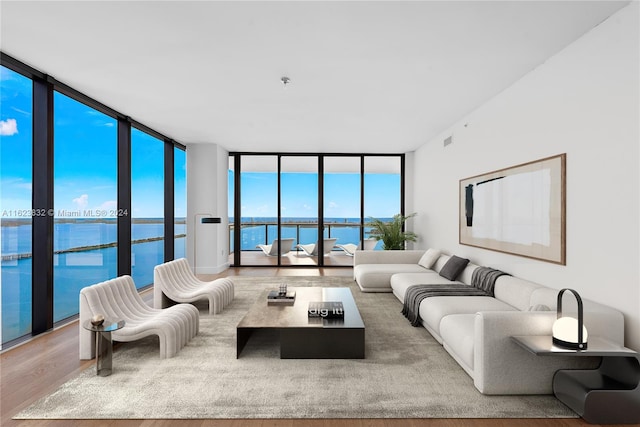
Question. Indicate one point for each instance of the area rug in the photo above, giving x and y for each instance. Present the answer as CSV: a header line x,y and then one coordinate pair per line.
x,y
406,374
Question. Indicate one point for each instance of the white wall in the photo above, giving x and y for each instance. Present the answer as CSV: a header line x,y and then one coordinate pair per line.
x,y
207,244
584,101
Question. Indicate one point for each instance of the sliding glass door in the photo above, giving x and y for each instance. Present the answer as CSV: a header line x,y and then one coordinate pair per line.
x,y
342,208
293,199
299,208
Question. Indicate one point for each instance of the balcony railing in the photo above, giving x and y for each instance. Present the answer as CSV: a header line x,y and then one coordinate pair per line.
x,y
264,232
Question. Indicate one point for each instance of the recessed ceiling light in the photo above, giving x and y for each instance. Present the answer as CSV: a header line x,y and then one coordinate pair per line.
x,y
285,80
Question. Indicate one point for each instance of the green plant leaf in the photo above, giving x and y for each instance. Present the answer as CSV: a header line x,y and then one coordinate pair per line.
x,y
391,233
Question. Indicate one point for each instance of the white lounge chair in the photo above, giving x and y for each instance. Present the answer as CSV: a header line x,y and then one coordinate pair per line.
x,y
312,248
173,281
350,248
272,249
118,299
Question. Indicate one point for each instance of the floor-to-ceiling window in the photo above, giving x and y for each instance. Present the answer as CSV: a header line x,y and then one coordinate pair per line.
x,y
85,201
180,202
81,161
335,193
342,185
15,203
147,206
382,188
299,204
258,206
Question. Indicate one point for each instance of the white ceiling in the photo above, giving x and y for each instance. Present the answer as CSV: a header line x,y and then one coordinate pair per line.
x,y
366,76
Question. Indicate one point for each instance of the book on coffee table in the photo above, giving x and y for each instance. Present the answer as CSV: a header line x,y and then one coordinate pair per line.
x,y
326,309
278,298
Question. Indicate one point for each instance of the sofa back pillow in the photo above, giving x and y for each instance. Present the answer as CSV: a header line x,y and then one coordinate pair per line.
x,y
467,273
440,263
429,258
453,267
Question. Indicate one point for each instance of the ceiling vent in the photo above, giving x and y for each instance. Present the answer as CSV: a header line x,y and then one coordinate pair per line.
x,y
448,140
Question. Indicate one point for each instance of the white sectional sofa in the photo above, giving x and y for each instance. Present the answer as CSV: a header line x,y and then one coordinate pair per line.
x,y
477,330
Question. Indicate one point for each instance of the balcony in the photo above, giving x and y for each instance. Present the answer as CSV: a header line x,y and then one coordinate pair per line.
x,y
304,232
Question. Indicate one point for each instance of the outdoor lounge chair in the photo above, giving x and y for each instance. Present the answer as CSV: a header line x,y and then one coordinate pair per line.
x,y
350,248
272,249
312,248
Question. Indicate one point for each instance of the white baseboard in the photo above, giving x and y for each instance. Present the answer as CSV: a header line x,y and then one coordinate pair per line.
x,y
212,270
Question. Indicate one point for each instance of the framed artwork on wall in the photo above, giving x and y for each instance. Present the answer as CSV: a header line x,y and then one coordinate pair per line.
x,y
518,210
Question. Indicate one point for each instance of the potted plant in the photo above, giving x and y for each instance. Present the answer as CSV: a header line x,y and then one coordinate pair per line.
x,y
392,233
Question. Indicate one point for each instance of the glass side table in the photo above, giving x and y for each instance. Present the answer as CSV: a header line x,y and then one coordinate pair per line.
x,y
104,345
609,394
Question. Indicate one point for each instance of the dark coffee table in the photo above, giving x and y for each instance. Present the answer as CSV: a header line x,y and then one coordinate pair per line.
x,y
302,337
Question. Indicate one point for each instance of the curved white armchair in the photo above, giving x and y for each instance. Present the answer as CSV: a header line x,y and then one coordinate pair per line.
x,y
118,299
173,281
312,248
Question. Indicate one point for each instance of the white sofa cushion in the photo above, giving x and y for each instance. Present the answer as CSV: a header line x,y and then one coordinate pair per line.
x,y
434,309
401,281
440,263
377,277
465,276
429,258
459,336
515,292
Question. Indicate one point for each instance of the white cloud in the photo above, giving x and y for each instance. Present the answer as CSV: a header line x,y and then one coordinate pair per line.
x,y
333,205
82,202
8,127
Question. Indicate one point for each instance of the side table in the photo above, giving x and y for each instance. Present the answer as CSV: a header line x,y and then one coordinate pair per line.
x,y
104,345
609,394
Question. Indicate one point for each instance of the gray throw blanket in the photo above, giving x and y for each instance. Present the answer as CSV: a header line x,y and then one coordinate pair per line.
x,y
483,281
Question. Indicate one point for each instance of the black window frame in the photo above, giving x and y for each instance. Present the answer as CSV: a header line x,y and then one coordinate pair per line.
x,y
42,198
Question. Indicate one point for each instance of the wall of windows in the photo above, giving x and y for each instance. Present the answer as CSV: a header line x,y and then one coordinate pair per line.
x,y
16,113
147,206
305,193
87,185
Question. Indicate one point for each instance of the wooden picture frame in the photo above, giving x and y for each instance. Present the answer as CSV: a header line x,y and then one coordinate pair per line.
x,y
518,210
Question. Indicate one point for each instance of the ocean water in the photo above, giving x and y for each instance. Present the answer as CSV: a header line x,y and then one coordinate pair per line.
x,y
74,270
262,231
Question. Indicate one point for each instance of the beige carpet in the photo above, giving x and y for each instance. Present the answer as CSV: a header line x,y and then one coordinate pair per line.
x,y
406,374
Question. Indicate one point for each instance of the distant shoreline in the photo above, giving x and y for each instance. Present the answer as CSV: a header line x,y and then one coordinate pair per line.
x,y
14,257
16,222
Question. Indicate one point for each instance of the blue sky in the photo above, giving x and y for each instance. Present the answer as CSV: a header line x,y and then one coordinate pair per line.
x,y
300,195
85,157
85,169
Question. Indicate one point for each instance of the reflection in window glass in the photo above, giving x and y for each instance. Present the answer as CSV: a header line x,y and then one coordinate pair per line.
x,y
180,202
147,206
85,201
15,201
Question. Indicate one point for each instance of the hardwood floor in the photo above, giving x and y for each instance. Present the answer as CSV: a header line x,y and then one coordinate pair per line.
x,y
36,368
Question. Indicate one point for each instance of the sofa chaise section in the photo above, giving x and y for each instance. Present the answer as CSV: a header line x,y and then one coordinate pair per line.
x,y
477,330
372,270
